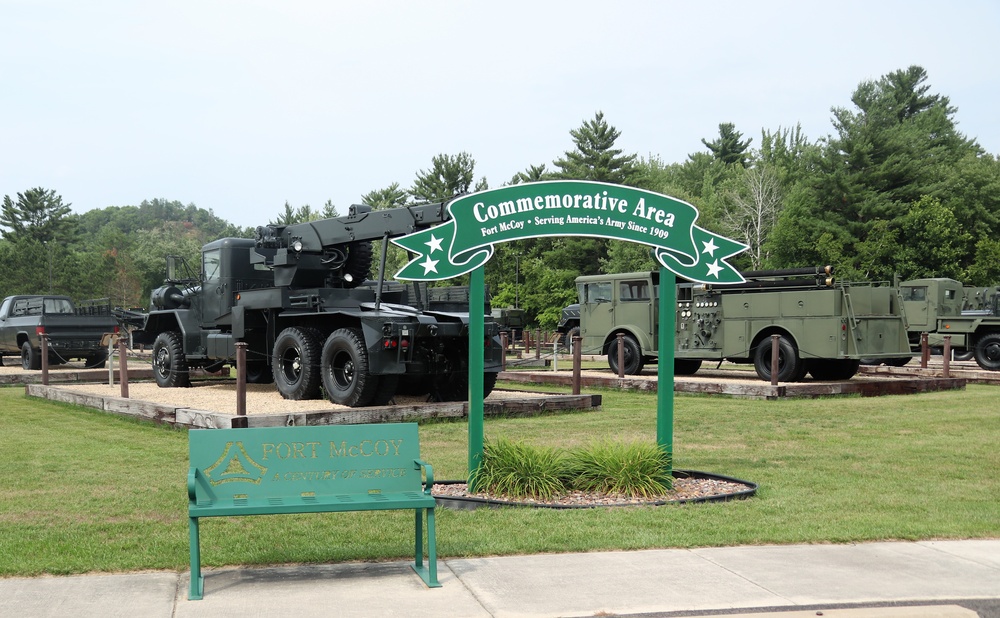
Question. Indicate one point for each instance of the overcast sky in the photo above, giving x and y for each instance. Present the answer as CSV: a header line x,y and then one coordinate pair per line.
x,y
240,106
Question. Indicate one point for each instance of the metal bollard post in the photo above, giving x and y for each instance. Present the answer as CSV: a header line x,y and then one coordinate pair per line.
x,y
44,348
538,343
555,355
577,359
774,359
503,354
946,369
925,351
123,368
240,420
527,342
621,355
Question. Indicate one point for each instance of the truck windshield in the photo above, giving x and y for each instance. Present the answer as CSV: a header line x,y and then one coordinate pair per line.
x,y
211,264
598,292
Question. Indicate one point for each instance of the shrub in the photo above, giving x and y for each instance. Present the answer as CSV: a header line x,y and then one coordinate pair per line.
x,y
520,470
636,469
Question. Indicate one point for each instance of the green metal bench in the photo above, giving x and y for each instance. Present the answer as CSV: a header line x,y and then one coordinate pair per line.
x,y
316,469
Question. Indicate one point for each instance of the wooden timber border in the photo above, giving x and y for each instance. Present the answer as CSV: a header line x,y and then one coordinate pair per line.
x,y
180,416
68,376
746,384
968,371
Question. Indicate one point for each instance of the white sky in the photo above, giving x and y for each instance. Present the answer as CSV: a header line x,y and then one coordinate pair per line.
x,y
238,106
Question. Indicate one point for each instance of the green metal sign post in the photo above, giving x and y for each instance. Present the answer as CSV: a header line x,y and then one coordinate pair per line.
x,y
479,221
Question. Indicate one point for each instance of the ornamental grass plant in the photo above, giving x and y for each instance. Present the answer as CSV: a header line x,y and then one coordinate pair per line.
x,y
519,470
634,469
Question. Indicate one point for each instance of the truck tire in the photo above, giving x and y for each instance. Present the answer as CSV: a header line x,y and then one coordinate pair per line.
x,y
633,355
30,357
296,363
97,360
455,386
259,372
358,263
386,389
988,351
791,368
833,368
344,366
567,342
686,366
170,368
965,355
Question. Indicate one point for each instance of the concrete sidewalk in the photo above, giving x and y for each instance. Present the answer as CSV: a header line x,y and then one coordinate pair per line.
x,y
733,579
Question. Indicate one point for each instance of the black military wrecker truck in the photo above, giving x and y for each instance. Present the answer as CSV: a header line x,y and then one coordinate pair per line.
x,y
294,295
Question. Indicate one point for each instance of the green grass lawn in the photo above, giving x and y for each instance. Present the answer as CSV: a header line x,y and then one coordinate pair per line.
x,y
86,491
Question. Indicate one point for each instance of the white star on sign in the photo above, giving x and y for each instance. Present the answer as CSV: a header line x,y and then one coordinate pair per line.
x,y
709,247
714,269
434,244
429,265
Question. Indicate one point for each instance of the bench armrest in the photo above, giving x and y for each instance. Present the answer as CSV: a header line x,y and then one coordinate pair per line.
x,y
428,471
196,478
193,485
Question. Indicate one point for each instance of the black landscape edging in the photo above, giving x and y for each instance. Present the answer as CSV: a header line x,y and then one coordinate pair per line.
x,y
462,503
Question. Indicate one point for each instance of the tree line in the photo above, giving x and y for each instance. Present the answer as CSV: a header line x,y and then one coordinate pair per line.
x,y
895,190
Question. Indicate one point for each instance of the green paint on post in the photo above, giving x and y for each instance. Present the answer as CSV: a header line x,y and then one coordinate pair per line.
x,y
477,298
665,365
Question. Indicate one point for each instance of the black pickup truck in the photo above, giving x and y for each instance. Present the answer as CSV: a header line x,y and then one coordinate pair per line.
x,y
73,332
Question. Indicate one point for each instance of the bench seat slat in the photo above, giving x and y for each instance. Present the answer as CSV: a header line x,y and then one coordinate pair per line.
x,y
312,504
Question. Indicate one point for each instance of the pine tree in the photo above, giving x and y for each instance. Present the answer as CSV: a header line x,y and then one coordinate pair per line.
x,y
727,147
595,157
38,214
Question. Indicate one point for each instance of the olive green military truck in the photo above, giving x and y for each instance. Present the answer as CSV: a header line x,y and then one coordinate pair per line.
x,y
824,327
941,307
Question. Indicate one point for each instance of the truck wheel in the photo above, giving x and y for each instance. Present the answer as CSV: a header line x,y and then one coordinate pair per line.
x,y
686,366
988,351
344,365
97,360
454,386
965,355
170,368
30,357
386,389
791,368
833,368
259,372
358,264
295,363
633,355
567,342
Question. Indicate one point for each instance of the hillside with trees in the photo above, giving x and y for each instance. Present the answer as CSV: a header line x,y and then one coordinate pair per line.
x,y
894,189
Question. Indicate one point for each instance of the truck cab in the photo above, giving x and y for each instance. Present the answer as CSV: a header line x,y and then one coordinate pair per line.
x,y
621,303
925,300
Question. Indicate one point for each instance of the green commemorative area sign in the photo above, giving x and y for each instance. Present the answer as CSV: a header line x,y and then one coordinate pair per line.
x,y
478,221
569,208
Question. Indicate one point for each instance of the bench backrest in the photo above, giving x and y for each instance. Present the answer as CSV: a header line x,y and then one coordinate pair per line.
x,y
265,462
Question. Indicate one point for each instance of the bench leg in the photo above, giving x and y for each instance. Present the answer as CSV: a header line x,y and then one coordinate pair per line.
x,y
429,574
197,589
